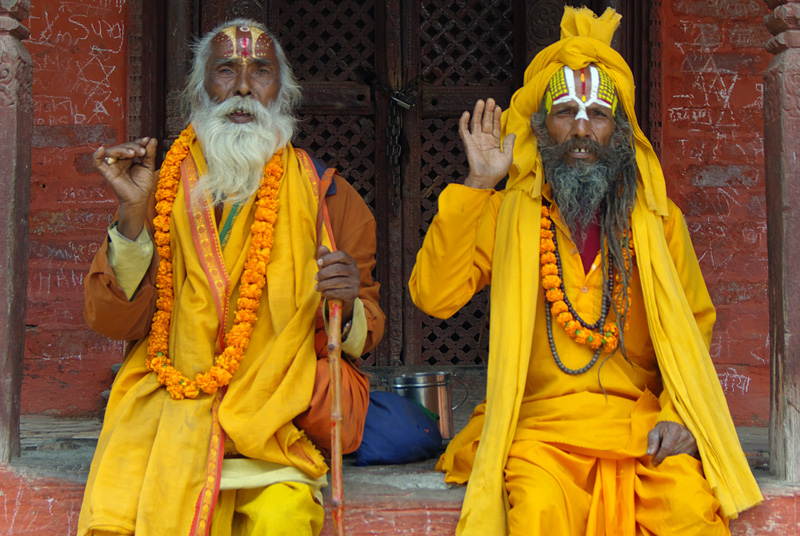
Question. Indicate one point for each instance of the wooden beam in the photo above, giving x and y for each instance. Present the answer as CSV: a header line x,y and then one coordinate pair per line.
x,y
452,101
388,73
153,108
409,201
345,98
134,31
781,135
16,125
182,24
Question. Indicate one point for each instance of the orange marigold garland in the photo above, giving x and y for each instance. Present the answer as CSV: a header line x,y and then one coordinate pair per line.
x,y
250,286
606,340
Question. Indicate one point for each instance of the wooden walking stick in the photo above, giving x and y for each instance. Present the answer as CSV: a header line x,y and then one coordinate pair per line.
x,y
322,184
334,358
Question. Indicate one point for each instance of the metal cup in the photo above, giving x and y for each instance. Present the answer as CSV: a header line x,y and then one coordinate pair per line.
x,y
433,391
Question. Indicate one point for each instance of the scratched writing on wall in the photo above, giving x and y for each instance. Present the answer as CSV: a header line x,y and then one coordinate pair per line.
x,y
733,382
79,56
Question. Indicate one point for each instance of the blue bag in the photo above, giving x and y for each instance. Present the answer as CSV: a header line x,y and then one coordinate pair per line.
x,y
396,430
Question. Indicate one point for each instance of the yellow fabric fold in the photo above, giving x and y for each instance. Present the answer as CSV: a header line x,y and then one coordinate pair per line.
x,y
682,353
284,509
245,473
687,370
150,462
583,23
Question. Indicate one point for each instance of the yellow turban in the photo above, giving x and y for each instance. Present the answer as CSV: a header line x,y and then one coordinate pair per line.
x,y
585,39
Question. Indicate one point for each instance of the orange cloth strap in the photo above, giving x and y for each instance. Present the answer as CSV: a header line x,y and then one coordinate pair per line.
x,y
320,185
207,499
206,242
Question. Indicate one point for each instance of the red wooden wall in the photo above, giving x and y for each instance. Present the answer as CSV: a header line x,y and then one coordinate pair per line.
x,y
80,76
713,159
712,147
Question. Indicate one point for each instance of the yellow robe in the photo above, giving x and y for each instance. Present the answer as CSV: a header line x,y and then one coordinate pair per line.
x,y
152,457
605,413
686,368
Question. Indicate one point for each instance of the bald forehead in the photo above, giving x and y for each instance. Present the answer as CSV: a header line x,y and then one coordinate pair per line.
x,y
243,43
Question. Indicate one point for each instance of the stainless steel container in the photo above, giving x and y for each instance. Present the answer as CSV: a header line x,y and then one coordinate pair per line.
x,y
433,391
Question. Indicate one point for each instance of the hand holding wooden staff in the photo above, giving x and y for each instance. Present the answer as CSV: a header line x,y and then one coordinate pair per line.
x,y
339,281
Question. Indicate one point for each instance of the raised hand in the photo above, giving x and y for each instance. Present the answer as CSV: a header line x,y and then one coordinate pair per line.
x,y
668,439
129,169
480,132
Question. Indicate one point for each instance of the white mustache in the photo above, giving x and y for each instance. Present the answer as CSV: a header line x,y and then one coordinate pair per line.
x,y
239,104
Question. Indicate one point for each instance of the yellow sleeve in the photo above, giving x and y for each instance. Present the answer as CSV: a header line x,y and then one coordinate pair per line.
x,y
683,255
129,259
353,339
455,261
668,411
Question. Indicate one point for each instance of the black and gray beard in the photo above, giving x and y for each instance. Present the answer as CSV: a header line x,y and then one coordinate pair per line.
x,y
603,192
236,153
580,189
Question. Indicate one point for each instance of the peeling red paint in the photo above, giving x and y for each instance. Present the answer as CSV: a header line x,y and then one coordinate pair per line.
x,y
79,51
37,506
713,160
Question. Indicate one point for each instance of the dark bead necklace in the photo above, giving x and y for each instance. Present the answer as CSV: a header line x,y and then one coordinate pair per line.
x,y
562,366
606,305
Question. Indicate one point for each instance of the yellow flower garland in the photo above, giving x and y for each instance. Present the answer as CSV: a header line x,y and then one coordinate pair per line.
x,y
250,287
551,281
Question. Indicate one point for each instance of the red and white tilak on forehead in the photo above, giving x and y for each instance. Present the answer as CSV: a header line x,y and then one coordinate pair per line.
x,y
244,42
598,89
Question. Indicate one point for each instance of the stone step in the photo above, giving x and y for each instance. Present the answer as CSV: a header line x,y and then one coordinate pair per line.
x,y
412,499
422,504
42,490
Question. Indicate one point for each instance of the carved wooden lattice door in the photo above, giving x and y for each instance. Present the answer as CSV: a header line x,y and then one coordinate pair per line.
x,y
384,84
453,54
458,52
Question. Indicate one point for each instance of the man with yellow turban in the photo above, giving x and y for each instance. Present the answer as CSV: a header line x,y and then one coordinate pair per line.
x,y
603,411
220,416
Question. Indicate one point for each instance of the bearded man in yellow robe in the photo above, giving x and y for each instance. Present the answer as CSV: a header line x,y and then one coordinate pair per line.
x,y
603,414
219,272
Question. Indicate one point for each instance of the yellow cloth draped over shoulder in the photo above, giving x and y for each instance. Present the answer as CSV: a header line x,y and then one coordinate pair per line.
x,y
153,456
686,367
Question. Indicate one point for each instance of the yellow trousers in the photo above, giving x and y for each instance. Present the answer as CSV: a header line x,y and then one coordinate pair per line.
x,y
552,491
283,509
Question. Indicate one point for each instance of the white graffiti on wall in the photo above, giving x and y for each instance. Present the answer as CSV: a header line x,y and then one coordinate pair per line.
x,y
84,38
734,382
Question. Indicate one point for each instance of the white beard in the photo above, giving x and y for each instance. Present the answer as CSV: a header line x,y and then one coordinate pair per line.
x,y
236,153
